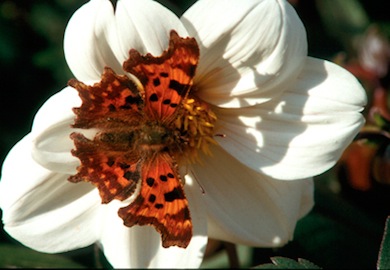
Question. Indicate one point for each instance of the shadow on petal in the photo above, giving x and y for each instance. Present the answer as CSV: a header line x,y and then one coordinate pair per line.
x,y
207,83
260,136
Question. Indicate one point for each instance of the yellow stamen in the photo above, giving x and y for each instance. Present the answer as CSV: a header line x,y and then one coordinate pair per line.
x,y
196,121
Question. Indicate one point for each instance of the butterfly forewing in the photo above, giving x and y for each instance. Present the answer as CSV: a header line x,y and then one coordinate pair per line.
x,y
114,101
167,79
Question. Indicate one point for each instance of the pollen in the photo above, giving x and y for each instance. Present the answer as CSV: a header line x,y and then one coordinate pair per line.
x,y
196,125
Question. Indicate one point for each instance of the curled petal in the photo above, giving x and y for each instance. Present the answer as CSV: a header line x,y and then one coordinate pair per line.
x,y
51,129
304,131
87,40
57,109
41,209
144,26
141,247
250,57
247,207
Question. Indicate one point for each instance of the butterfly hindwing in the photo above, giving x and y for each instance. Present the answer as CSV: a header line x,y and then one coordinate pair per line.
x,y
109,170
161,202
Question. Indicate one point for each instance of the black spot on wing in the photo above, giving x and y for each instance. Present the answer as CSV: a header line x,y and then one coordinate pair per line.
x,y
156,82
158,206
153,97
129,175
150,181
180,88
191,71
152,198
173,195
110,162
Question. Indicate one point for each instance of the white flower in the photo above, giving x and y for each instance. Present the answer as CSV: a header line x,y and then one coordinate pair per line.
x,y
285,116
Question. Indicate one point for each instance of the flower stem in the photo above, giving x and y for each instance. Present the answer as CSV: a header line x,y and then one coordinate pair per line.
x,y
231,251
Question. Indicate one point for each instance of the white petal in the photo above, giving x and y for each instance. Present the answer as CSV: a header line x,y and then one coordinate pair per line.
x,y
97,36
57,109
144,26
247,207
302,133
52,128
141,247
86,40
250,50
41,209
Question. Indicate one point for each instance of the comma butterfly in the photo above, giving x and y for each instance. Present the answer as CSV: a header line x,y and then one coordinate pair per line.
x,y
146,128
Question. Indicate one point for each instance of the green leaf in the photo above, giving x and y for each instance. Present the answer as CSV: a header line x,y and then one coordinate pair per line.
x,y
287,263
13,256
343,18
338,233
381,121
384,252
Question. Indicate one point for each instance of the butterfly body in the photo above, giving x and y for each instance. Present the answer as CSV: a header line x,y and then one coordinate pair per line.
x,y
142,138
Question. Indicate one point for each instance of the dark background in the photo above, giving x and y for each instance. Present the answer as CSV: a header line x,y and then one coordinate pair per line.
x,y
344,229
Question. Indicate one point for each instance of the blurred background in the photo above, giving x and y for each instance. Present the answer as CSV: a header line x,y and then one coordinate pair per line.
x,y
345,228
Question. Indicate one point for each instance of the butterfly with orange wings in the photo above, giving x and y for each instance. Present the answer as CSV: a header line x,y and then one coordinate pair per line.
x,y
137,138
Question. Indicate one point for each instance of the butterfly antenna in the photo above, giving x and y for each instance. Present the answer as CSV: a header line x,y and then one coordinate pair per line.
x,y
199,184
221,135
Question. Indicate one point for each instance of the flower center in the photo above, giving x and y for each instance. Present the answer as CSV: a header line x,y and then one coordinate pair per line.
x,y
148,127
196,124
